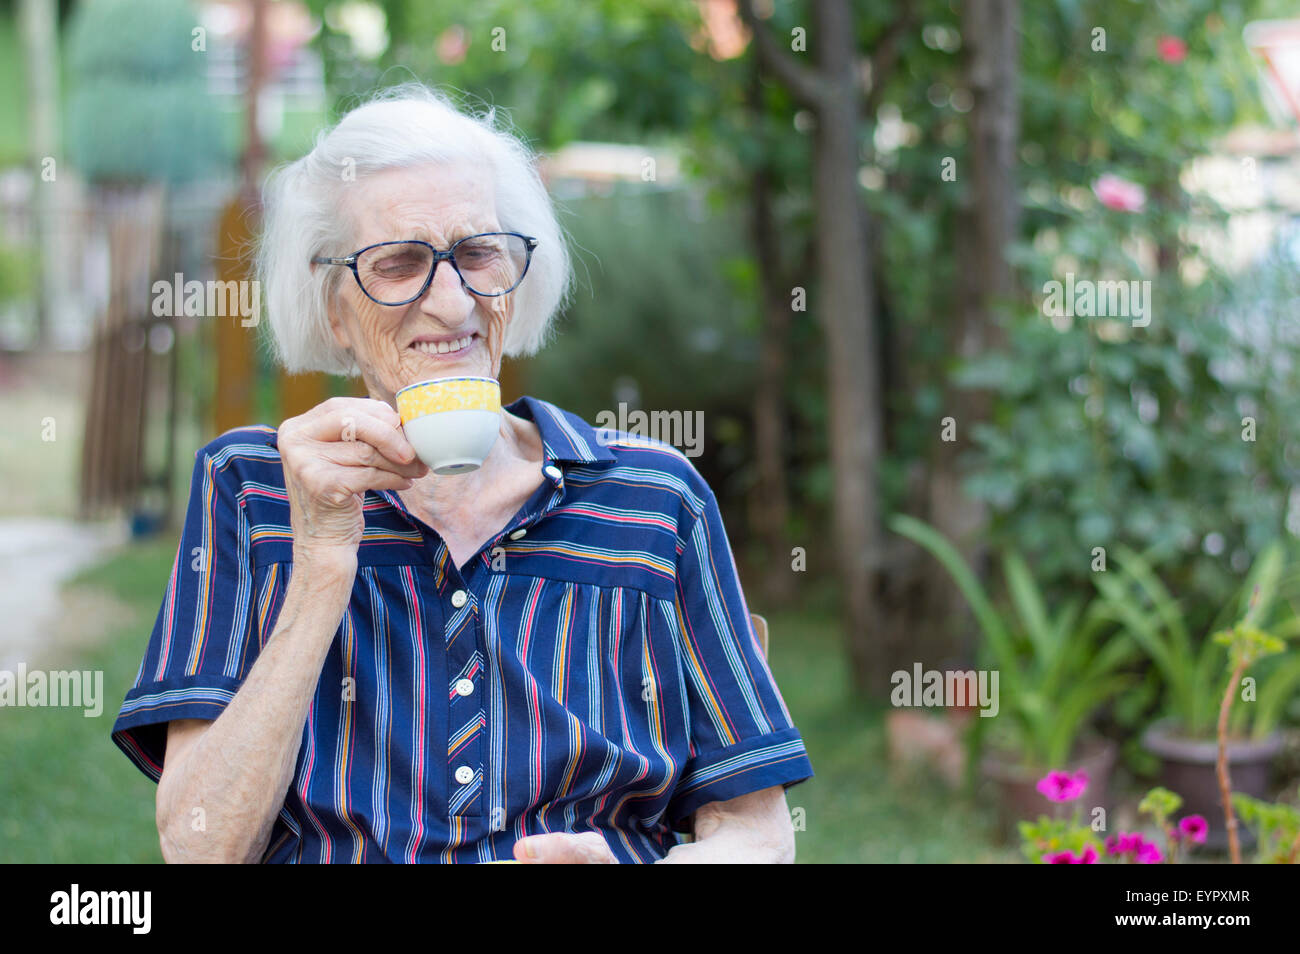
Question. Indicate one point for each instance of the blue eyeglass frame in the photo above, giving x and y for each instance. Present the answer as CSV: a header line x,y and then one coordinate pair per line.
x,y
530,243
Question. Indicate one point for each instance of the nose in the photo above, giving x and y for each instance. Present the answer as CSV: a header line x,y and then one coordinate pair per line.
x,y
446,298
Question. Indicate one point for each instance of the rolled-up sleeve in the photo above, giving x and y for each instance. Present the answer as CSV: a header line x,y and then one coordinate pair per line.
x,y
204,639
742,737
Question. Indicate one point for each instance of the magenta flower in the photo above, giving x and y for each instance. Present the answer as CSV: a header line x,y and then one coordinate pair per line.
x,y
1119,194
1149,853
1144,852
1171,49
1194,828
1062,786
1087,857
1123,844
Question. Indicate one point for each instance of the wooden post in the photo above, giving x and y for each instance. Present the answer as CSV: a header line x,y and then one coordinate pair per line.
x,y
300,393
512,380
235,345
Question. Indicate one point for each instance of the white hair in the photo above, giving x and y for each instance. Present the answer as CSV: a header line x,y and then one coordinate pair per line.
x,y
401,126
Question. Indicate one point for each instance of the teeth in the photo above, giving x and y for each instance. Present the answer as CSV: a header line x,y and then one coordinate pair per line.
x,y
443,347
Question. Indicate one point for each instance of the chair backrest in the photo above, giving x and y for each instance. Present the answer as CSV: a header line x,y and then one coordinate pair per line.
x,y
760,630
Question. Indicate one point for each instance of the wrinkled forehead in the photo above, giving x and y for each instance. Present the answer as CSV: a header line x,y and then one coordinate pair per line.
x,y
438,203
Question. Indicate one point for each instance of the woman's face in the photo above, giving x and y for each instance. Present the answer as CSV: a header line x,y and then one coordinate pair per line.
x,y
397,345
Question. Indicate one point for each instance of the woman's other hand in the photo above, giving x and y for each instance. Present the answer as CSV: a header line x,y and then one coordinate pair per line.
x,y
564,848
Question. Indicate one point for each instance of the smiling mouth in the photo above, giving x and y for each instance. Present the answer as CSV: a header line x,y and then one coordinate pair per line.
x,y
446,347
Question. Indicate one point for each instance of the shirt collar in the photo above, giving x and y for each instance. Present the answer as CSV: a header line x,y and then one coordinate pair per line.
x,y
565,436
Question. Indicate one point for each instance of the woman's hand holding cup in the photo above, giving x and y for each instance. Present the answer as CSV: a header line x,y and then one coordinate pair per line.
x,y
332,455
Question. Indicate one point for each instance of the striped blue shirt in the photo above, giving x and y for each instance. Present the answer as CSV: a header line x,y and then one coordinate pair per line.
x,y
592,668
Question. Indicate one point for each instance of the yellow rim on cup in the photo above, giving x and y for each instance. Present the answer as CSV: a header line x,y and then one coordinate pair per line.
x,y
448,394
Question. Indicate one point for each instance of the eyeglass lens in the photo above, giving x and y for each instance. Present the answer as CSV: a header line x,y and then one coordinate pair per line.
x,y
490,265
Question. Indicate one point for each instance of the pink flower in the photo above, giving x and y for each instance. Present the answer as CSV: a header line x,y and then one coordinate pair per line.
x,y
1193,827
1145,852
1171,49
1149,853
1119,194
1087,857
452,45
1122,844
1062,786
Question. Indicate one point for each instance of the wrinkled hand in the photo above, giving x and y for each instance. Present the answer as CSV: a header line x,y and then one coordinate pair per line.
x,y
332,455
563,848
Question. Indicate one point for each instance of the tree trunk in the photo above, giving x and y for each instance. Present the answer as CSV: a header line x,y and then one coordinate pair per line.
x,y
845,309
987,223
843,303
771,497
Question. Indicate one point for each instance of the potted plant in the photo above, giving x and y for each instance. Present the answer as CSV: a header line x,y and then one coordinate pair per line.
x,y
1183,737
1055,671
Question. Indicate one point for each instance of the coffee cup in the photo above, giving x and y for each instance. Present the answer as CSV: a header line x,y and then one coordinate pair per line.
x,y
451,422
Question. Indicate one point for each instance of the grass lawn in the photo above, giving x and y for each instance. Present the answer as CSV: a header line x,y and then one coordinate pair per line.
x,y
41,466
69,795
853,813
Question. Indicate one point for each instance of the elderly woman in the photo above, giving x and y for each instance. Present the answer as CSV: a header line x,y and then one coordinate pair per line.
x,y
548,659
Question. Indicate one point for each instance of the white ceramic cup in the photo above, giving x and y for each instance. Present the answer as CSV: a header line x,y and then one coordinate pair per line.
x,y
451,422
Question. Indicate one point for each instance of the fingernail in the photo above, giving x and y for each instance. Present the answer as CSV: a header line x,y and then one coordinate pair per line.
x,y
530,850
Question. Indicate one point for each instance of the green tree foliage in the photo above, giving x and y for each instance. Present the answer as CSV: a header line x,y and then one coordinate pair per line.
x,y
139,107
1175,437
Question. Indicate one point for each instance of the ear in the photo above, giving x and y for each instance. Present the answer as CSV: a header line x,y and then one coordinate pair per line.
x,y
338,328
339,331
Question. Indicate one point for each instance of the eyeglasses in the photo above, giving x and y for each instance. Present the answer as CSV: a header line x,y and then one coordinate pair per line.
x,y
397,273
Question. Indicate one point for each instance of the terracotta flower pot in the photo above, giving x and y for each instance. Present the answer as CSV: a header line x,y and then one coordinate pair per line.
x,y
1187,766
1019,799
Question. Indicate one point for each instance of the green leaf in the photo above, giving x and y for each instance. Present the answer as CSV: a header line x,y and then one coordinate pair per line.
x,y
1165,605
1274,693
992,625
1076,706
1033,615
1145,630
1262,583
1160,803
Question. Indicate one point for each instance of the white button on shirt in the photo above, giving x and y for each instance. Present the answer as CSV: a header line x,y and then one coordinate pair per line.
x,y
464,686
551,471
517,534
464,775
459,598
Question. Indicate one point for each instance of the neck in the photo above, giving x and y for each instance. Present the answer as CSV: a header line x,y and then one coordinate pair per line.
x,y
443,496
